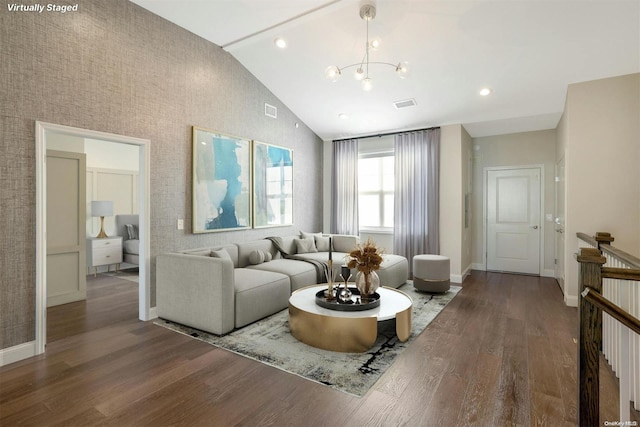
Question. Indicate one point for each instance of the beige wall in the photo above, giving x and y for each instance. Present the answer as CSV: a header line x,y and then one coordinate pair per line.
x,y
466,225
517,149
600,132
455,241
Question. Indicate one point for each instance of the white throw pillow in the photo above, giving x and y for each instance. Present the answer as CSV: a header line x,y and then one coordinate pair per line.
x,y
322,243
305,235
306,246
220,253
343,243
256,257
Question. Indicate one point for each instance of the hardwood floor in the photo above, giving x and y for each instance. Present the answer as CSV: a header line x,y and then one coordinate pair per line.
x,y
110,299
501,353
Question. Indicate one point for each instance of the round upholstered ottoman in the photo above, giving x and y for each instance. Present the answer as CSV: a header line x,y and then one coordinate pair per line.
x,y
431,273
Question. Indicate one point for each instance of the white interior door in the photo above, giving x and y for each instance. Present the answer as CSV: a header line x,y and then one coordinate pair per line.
x,y
560,223
513,220
66,240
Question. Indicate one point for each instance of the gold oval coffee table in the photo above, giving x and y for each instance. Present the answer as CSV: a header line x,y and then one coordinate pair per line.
x,y
346,331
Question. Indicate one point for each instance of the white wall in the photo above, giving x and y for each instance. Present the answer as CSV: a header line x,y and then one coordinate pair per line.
x,y
63,142
517,149
601,139
111,155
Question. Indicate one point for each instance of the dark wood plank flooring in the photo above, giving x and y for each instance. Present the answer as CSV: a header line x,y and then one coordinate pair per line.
x,y
501,353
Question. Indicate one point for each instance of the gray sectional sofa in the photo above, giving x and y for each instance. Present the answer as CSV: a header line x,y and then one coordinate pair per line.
x,y
223,288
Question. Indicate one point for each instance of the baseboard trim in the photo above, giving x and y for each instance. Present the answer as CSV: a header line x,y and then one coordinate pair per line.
x,y
548,273
456,278
467,272
153,313
18,352
571,301
479,266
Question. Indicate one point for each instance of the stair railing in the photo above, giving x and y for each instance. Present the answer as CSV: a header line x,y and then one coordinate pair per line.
x,y
609,282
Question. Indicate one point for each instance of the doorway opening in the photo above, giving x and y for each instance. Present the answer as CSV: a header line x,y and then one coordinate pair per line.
x,y
46,133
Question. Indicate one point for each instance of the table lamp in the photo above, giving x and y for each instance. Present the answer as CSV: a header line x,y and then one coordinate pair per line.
x,y
101,208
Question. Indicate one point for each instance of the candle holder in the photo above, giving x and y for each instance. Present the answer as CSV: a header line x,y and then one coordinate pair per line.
x,y
345,294
329,293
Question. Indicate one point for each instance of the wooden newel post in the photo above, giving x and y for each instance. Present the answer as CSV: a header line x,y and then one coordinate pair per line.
x,y
590,275
602,237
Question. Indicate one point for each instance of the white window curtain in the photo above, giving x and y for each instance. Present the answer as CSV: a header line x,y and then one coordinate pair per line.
x,y
416,205
344,188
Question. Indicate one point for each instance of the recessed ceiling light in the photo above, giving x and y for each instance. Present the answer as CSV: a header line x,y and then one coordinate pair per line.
x,y
280,42
343,116
485,91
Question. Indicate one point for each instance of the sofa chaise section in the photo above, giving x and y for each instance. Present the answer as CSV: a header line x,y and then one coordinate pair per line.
x,y
259,294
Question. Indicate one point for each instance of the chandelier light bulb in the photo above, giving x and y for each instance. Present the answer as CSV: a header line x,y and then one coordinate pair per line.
x,y
359,74
332,73
403,70
367,84
375,44
368,12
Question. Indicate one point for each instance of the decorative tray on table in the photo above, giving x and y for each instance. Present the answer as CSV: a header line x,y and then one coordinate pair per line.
x,y
356,303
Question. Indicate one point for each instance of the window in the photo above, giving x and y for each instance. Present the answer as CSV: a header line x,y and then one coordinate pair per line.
x,y
375,190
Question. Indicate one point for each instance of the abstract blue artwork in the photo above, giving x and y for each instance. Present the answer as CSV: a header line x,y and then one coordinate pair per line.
x,y
221,182
273,185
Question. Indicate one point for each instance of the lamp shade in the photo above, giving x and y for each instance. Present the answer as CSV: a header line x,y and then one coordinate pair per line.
x,y
101,208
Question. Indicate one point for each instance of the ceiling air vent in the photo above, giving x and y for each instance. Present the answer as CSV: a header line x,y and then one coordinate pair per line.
x,y
270,111
404,104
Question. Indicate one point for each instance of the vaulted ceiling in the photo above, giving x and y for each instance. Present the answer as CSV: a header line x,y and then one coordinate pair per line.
x,y
526,51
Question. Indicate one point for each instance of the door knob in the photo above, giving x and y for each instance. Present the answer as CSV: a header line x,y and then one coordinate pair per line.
x,y
535,227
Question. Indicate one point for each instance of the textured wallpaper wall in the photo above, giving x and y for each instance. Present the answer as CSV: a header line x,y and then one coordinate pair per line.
x,y
114,67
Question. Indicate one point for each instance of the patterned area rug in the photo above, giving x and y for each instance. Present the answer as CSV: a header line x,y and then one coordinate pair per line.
x,y
269,341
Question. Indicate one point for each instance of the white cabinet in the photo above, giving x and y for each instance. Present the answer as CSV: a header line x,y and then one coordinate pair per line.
x,y
104,251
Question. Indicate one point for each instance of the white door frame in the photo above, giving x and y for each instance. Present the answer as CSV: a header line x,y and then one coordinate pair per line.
x,y
144,288
560,224
485,208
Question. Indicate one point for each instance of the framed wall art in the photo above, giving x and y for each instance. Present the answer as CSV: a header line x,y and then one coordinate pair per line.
x,y
221,182
272,185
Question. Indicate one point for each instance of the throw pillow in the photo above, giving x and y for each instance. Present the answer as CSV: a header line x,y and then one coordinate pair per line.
x,y
256,257
322,243
267,256
306,246
304,235
132,231
343,243
220,253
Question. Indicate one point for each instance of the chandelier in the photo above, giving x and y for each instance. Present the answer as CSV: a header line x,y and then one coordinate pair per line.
x,y
333,72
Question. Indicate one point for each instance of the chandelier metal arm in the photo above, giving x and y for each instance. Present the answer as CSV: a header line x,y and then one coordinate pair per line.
x,y
358,64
